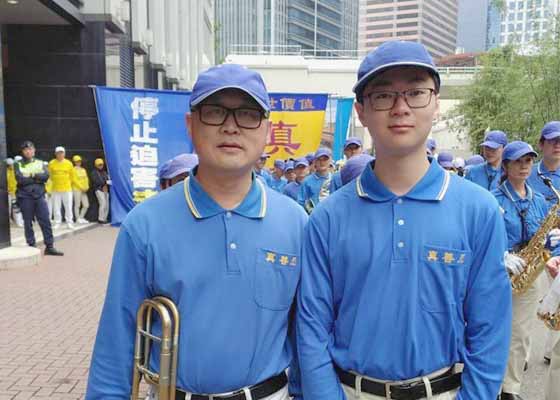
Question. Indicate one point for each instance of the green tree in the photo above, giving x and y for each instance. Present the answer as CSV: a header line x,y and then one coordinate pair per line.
x,y
515,92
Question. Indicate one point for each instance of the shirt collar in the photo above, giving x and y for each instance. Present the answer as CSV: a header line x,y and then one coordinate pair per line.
x,y
542,170
432,187
510,192
491,168
203,206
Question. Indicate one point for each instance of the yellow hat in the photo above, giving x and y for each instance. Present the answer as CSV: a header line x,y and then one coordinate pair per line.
x,y
98,161
76,158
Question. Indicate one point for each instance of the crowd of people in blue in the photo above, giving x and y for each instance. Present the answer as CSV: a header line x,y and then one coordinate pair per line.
x,y
389,278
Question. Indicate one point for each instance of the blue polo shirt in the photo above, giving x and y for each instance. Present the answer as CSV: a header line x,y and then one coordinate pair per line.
x,y
395,287
511,204
484,175
292,190
336,182
311,187
536,182
277,184
265,175
232,274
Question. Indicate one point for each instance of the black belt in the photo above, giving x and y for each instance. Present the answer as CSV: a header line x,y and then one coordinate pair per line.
x,y
404,391
258,391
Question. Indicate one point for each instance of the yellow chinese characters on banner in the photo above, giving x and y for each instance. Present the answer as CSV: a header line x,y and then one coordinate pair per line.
x,y
297,124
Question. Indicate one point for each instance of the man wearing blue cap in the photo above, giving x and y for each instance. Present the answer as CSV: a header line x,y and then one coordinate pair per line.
x,y
431,147
277,180
389,303
310,157
219,247
352,147
548,167
310,189
289,172
260,169
445,159
300,168
488,174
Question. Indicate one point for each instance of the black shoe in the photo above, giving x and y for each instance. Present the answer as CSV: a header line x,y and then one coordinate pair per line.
x,y
526,366
547,360
510,396
51,251
34,245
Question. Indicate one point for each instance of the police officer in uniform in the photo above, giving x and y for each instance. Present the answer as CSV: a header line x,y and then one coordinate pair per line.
x,y
488,173
389,303
31,175
219,246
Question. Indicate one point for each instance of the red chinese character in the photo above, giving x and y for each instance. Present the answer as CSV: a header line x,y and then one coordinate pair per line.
x,y
281,136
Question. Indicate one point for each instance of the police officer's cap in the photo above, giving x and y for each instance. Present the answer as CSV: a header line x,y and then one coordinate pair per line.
x,y
27,144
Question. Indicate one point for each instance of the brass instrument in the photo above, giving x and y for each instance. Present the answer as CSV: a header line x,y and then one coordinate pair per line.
x,y
165,380
535,254
552,321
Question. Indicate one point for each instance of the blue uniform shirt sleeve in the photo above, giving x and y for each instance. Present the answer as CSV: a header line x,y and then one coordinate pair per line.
x,y
110,375
487,310
315,318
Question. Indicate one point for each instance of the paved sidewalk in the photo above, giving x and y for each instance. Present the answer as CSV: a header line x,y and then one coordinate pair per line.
x,y
49,319
50,314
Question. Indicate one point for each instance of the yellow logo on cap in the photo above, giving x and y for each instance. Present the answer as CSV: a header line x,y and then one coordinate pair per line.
x,y
270,257
284,260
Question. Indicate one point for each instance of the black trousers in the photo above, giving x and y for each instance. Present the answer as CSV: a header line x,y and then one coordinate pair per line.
x,y
36,208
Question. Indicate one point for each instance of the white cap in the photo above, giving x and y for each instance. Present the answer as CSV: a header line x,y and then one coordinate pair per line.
x,y
59,149
18,158
10,161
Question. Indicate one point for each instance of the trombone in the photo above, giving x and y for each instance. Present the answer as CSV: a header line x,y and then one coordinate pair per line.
x,y
166,379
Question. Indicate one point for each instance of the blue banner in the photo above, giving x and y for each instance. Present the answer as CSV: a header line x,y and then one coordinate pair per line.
x,y
140,129
343,114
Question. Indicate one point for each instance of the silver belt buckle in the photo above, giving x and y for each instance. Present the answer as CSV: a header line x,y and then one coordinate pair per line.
x,y
387,390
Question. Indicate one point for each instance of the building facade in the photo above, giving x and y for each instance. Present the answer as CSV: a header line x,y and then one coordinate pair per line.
x,y
430,22
472,22
54,51
522,22
316,27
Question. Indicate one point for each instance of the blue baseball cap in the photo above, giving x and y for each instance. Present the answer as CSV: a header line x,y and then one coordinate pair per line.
x,y
551,130
431,144
495,139
352,140
230,76
474,160
445,159
164,169
289,165
301,162
354,167
393,54
180,164
279,164
310,157
517,149
323,151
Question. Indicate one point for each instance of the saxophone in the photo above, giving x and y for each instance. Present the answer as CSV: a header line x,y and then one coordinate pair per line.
x,y
535,254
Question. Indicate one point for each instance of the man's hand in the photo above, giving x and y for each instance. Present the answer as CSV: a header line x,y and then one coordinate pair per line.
x,y
553,266
514,264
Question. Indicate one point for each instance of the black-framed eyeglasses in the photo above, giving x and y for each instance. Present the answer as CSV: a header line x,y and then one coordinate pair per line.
x,y
216,115
385,100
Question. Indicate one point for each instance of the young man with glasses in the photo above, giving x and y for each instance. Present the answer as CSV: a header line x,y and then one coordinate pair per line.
x,y
219,247
489,173
390,304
